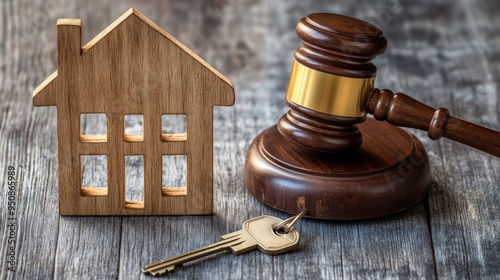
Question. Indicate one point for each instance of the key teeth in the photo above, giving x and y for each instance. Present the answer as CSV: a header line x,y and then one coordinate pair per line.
x,y
160,272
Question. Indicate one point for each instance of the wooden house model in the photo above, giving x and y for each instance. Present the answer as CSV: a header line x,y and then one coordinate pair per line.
x,y
133,67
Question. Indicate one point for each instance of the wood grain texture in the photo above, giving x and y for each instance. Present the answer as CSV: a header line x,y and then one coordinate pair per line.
x,y
401,110
132,67
372,181
442,53
339,45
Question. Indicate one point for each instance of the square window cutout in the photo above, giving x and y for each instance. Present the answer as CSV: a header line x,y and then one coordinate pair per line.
x,y
134,128
94,170
93,128
173,128
174,175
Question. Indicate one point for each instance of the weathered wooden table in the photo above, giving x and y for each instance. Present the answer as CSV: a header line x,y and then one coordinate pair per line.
x,y
444,54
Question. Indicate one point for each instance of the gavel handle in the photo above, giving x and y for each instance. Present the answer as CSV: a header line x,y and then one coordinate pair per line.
x,y
401,110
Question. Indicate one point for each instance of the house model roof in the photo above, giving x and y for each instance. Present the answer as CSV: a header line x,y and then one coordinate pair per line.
x,y
47,87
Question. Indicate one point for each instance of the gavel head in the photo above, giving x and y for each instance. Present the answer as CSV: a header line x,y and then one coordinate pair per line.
x,y
331,80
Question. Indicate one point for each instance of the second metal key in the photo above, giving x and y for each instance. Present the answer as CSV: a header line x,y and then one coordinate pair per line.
x,y
256,233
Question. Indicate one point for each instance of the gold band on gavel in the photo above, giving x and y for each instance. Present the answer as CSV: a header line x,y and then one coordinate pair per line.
x,y
329,93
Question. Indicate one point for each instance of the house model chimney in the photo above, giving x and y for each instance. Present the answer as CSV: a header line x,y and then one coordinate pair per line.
x,y
69,42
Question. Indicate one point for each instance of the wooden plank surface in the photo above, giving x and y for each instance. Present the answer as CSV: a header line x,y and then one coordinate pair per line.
x,y
444,53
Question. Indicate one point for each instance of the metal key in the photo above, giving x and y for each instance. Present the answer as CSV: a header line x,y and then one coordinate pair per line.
x,y
255,233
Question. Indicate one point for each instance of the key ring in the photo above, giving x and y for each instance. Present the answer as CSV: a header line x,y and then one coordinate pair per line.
x,y
287,224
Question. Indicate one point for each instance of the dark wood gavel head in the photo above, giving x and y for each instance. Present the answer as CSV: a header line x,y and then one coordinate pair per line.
x,y
331,80
332,89
315,157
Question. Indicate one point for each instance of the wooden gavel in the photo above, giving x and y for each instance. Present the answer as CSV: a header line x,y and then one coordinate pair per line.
x,y
332,89
316,157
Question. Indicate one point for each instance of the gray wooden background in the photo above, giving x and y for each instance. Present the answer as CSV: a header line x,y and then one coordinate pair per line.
x,y
445,53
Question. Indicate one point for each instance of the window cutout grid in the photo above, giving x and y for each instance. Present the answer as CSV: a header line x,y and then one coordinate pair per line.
x,y
134,181
93,128
133,128
94,170
174,175
173,128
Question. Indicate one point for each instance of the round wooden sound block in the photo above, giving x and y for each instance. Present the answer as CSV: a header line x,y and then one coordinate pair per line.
x,y
388,173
